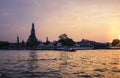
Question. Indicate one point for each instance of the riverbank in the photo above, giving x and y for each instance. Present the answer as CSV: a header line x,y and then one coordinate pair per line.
x,y
63,49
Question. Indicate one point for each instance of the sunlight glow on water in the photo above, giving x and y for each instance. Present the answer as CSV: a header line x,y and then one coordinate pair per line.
x,y
60,64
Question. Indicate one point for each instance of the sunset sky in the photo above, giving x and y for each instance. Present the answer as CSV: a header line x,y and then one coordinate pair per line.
x,y
97,20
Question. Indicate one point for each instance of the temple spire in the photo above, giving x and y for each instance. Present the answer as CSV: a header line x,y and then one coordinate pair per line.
x,y
33,30
46,39
17,39
32,40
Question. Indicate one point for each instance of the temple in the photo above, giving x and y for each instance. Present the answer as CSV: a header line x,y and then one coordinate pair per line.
x,y
17,39
32,40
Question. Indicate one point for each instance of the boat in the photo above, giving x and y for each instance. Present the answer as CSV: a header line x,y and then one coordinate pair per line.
x,y
70,49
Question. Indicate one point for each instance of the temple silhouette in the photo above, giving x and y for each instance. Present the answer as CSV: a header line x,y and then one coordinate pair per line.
x,y
32,40
64,43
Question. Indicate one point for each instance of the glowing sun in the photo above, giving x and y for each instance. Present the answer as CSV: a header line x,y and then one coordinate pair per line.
x,y
119,36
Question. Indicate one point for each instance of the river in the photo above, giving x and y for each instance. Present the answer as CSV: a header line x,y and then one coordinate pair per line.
x,y
59,64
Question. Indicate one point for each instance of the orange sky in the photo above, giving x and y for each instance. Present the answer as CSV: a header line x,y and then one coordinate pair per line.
x,y
97,20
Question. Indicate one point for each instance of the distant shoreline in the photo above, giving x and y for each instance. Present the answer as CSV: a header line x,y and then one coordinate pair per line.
x,y
62,50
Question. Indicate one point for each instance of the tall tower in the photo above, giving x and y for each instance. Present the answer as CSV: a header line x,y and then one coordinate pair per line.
x,y
17,39
32,40
47,39
17,45
33,31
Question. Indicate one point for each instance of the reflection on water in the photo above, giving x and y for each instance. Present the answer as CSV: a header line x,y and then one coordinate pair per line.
x,y
58,64
32,64
64,64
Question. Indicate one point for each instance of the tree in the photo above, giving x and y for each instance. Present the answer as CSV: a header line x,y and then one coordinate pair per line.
x,y
115,42
4,44
65,40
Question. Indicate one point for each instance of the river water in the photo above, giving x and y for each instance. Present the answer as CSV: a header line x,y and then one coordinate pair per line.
x,y
59,64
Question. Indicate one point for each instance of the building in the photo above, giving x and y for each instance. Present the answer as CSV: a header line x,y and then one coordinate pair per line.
x,y
17,44
4,45
86,43
32,41
17,39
